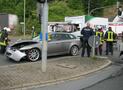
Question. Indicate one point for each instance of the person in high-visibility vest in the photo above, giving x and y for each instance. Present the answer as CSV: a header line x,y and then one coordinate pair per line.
x,y
49,36
100,34
4,39
33,32
109,37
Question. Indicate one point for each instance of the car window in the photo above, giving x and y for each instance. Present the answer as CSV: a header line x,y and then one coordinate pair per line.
x,y
72,36
65,37
55,37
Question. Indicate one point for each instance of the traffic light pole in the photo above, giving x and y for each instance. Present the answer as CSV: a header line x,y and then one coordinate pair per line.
x,y
44,34
44,30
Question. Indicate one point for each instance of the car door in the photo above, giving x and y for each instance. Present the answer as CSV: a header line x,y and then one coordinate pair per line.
x,y
67,40
55,45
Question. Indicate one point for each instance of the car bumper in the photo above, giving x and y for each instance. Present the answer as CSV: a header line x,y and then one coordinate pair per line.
x,y
16,55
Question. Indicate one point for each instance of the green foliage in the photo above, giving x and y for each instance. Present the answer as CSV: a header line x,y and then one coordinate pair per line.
x,y
18,30
75,4
97,4
110,2
58,9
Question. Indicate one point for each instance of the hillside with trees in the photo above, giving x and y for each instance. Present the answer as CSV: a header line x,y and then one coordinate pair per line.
x,y
58,9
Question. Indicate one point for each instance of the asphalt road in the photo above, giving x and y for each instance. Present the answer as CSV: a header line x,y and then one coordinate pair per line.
x,y
5,61
113,83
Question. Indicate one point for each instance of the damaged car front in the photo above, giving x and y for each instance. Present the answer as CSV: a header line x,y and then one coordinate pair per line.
x,y
23,49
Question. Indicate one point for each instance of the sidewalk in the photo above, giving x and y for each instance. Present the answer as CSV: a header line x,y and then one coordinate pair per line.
x,y
27,75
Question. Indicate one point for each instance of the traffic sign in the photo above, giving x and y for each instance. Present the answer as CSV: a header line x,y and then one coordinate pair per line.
x,y
94,39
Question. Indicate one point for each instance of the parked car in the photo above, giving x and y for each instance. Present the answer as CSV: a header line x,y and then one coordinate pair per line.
x,y
59,43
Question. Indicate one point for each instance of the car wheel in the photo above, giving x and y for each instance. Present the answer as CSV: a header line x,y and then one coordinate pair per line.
x,y
74,50
33,54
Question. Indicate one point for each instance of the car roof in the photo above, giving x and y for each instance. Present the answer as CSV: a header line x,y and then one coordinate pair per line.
x,y
38,37
59,33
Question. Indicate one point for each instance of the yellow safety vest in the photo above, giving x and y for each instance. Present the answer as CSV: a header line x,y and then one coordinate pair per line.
x,y
110,36
49,36
4,42
100,35
0,34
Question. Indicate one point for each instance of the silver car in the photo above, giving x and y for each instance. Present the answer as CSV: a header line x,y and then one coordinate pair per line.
x,y
58,43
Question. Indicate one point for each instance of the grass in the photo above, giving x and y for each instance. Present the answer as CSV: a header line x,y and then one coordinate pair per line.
x,y
94,58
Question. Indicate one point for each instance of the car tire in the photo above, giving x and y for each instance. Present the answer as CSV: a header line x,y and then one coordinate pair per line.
x,y
74,50
33,54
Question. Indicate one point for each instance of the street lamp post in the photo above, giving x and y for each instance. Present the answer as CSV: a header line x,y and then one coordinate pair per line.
x,y
89,6
24,17
118,4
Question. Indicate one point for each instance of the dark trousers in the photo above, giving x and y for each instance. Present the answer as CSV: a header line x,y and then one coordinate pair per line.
x,y
99,49
2,49
86,45
109,48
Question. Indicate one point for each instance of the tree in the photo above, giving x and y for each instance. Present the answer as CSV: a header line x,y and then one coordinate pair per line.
x,y
75,4
58,9
96,4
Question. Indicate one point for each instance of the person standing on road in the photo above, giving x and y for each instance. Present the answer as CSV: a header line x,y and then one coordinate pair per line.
x,y
33,32
100,34
109,37
4,39
86,32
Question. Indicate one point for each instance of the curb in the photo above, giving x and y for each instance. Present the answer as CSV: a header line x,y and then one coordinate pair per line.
x,y
58,81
